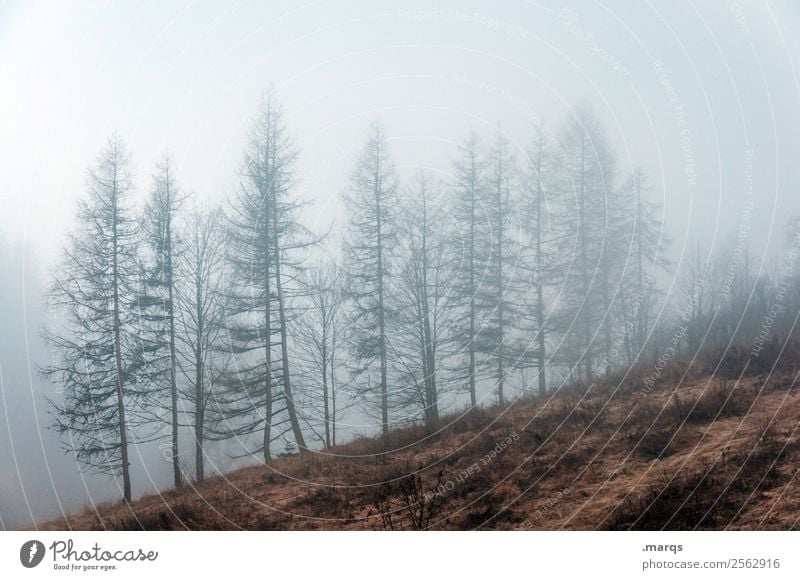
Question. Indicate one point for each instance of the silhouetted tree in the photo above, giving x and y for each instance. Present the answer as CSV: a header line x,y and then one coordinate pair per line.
x,y
263,243
200,307
424,298
499,292
641,230
316,333
586,191
471,230
95,348
541,237
370,241
157,298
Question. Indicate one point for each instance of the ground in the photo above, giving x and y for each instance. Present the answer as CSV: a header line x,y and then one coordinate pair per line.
x,y
693,452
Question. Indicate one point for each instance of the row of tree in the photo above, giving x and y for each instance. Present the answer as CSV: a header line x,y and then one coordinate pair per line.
x,y
238,322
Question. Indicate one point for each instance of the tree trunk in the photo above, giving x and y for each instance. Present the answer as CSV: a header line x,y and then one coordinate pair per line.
x,y
333,390
641,331
325,383
176,468
427,337
199,387
501,290
199,419
539,265
381,312
472,394
267,350
584,267
287,386
123,436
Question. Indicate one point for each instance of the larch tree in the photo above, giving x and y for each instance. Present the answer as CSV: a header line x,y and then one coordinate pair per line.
x,y
424,290
316,332
157,296
540,237
697,296
499,293
95,348
200,310
585,189
265,244
369,244
470,232
641,229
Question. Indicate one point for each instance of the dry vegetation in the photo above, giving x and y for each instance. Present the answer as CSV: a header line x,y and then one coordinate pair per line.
x,y
695,453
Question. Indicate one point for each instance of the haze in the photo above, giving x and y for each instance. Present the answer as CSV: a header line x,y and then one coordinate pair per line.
x,y
705,97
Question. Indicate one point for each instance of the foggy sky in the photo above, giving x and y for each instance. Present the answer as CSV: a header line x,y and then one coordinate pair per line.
x,y
699,95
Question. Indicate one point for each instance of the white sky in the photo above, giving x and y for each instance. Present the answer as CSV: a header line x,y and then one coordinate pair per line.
x,y
185,76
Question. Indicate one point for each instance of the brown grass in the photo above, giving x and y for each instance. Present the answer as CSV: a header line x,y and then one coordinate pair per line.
x,y
704,454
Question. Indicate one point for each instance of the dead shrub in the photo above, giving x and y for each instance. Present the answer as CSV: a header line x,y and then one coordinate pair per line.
x,y
410,498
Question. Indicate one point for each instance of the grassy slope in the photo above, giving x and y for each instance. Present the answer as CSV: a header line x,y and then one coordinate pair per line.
x,y
696,453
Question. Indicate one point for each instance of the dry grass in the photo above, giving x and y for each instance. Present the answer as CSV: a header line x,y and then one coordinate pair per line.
x,y
704,454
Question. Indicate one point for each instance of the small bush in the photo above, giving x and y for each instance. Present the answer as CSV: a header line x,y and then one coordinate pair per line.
x,y
407,500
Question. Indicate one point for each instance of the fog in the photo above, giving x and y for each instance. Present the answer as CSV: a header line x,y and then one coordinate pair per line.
x,y
705,97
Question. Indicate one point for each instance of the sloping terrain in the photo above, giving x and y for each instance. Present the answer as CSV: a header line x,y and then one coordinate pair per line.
x,y
695,452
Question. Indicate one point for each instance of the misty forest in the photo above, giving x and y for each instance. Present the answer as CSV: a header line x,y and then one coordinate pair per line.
x,y
235,322
517,337
523,271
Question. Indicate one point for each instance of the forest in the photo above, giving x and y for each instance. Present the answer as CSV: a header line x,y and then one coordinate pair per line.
x,y
527,268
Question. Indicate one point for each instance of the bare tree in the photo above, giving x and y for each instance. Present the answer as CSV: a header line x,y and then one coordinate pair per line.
x,y
640,228
585,189
201,315
371,238
316,333
499,290
471,230
265,243
424,297
157,299
95,348
539,176
698,301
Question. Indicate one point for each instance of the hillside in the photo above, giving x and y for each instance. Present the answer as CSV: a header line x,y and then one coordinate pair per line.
x,y
695,453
